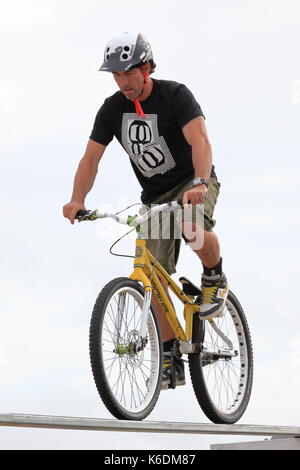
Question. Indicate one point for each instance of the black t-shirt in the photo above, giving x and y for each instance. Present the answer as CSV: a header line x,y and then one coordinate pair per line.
x,y
159,153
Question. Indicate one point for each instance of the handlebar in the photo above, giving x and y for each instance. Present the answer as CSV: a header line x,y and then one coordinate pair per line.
x,y
133,221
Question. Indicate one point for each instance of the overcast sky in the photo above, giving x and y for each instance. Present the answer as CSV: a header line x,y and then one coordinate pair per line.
x,y
241,61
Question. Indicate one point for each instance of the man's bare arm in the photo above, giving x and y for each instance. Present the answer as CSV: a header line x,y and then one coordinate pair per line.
x,y
84,178
196,135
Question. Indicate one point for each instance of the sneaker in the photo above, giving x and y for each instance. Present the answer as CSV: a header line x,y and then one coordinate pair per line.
x,y
214,292
168,379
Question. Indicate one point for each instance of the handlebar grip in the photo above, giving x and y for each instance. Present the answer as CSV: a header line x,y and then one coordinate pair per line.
x,y
81,213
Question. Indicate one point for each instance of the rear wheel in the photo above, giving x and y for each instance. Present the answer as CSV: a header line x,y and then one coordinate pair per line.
x,y
127,376
222,373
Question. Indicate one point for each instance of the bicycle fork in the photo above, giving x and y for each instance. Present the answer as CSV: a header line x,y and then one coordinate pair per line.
x,y
119,341
145,313
119,320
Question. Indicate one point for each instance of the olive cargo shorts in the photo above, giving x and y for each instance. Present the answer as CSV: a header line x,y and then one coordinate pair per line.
x,y
165,248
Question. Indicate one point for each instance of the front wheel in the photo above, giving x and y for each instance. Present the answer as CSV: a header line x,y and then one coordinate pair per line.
x,y
222,373
127,376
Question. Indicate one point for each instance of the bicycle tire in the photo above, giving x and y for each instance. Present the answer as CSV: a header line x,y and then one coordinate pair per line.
x,y
116,366
210,375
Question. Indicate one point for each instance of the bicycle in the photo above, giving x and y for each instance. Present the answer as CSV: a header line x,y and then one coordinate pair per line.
x,y
126,347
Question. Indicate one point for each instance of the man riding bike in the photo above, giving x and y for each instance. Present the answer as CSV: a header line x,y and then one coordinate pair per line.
x,y
162,128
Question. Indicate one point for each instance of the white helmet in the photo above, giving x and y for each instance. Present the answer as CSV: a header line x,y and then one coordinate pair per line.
x,y
126,51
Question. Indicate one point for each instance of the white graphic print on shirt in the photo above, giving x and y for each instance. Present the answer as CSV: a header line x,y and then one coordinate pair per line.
x,y
146,148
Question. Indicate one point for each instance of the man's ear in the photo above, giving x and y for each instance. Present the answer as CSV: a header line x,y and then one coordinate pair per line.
x,y
145,72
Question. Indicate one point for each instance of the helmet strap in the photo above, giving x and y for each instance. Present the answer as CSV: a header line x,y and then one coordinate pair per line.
x,y
138,107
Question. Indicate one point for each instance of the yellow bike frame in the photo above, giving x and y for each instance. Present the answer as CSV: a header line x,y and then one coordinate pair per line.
x,y
149,272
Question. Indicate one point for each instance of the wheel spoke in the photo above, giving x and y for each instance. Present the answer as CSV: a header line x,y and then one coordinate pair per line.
x,y
225,366
131,375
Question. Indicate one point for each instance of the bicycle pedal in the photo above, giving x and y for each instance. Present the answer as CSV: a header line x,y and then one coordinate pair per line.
x,y
168,386
164,386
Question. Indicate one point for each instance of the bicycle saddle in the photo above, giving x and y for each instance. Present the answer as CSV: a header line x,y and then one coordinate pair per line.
x,y
188,287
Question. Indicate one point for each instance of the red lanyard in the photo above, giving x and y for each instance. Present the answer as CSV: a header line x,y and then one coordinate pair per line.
x,y
138,108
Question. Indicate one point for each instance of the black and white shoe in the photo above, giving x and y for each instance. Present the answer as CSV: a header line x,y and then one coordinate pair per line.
x,y
214,292
173,371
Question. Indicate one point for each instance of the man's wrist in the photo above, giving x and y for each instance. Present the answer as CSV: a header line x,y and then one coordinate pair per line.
x,y
79,198
199,180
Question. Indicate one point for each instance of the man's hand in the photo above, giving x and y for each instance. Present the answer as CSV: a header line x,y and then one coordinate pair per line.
x,y
71,209
196,195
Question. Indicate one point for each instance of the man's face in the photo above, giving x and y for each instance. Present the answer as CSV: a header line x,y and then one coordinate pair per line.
x,y
130,83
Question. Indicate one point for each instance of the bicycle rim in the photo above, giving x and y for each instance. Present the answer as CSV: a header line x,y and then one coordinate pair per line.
x,y
131,378
223,384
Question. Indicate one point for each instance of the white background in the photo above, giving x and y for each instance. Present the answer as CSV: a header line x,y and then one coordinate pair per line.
x,y
241,61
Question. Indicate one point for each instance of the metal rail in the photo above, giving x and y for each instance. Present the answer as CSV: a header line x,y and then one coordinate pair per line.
x,y
96,424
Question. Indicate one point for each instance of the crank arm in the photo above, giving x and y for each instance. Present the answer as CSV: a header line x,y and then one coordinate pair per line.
x,y
221,334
